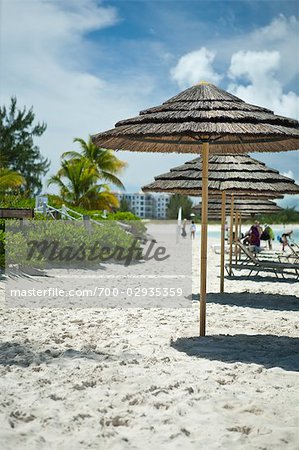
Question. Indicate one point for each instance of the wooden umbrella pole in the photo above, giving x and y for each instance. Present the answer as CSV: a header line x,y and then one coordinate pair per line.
x,y
204,238
240,232
231,234
222,257
236,235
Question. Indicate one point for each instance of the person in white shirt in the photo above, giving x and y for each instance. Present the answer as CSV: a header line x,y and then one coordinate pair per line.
x,y
193,229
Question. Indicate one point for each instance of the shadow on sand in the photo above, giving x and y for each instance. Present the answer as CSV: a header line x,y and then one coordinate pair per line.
x,y
267,350
15,354
274,302
291,279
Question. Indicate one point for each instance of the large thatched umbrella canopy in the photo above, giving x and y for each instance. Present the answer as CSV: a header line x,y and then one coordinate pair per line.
x,y
203,118
235,174
200,113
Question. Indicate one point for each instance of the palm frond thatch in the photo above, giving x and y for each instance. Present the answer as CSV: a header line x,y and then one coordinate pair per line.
x,y
244,206
238,174
203,112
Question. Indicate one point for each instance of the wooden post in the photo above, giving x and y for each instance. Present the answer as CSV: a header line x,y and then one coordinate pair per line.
x,y
231,228
204,238
236,235
240,232
87,223
222,257
63,212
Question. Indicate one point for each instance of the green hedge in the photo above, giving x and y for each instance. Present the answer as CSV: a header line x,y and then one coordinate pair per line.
x,y
69,235
16,201
74,236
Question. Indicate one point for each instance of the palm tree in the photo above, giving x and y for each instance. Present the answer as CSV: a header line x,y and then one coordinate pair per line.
x,y
10,180
78,183
107,164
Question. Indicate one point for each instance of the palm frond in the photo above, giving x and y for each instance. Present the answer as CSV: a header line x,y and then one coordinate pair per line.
x,y
9,179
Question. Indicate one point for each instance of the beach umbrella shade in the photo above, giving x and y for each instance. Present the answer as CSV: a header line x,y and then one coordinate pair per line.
x,y
241,175
203,119
236,175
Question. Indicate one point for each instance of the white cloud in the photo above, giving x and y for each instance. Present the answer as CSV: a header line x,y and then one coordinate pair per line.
x,y
194,67
256,65
257,71
289,174
281,34
279,28
48,65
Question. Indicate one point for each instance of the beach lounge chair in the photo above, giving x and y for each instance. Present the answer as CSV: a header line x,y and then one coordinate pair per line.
x,y
292,257
294,248
255,265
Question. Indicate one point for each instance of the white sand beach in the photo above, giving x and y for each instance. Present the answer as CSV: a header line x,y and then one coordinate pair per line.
x,y
142,379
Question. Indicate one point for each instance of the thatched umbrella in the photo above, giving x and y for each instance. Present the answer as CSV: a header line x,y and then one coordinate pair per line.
x,y
246,207
235,175
203,118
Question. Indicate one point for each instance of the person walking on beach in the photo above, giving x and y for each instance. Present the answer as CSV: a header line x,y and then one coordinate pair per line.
x,y
184,232
193,229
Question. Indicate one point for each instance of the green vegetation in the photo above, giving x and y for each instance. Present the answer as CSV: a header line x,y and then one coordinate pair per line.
x,y
122,215
70,238
114,232
177,201
286,216
124,205
17,201
2,242
17,148
78,183
84,180
80,178
102,159
10,180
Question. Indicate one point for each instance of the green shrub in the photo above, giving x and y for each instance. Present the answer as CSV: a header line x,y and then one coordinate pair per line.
x,y
73,235
122,216
111,234
17,201
2,249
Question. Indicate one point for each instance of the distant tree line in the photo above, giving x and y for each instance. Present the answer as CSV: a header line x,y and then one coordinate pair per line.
x,y
287,215
176,201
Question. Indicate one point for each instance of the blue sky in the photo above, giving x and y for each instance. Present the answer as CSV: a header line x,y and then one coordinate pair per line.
x,y
86,64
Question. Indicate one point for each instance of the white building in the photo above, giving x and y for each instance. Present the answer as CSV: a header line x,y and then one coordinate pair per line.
x,y
147,206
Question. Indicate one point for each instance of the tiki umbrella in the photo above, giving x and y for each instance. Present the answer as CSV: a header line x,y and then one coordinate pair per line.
x,y
238,175
203,118
234,174
246,206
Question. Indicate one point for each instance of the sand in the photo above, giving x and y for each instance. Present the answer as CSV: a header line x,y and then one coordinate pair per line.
x,y
142,379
